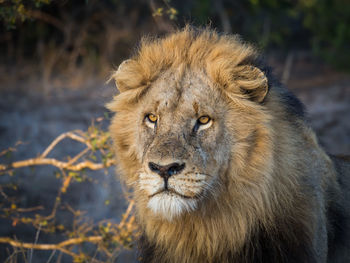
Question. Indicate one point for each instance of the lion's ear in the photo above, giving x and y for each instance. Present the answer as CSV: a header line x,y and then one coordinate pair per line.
x,y
123,65
252,82
128,75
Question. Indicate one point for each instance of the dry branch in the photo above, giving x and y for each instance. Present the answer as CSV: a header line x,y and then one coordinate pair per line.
x,y
70,135
59,164
60,246
29,209
106,237
70,165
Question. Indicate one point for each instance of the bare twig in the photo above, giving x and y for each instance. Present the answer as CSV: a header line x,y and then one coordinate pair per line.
x,y
51,256
30,209
70,165
126,214
70,135
3,193
35,242
59,164
78,156
60,246
10,149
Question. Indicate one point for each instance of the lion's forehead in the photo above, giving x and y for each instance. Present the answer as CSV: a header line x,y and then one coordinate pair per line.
x,y
188,95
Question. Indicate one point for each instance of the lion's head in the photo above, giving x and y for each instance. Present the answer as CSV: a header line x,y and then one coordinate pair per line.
x,y
179,122
193,138
216,154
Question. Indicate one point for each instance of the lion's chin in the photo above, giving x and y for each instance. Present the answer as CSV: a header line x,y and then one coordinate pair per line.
x,y
170,205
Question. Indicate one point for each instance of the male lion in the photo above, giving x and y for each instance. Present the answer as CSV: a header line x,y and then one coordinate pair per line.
x,y
222,164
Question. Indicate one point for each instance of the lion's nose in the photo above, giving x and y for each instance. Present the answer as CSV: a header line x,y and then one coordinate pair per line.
x,y
166,171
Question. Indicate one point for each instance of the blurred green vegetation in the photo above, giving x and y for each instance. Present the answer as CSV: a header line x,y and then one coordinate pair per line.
x,y
12,11
319,25
66,35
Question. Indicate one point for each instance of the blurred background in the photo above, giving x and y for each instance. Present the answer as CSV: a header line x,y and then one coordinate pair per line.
x,y
55,59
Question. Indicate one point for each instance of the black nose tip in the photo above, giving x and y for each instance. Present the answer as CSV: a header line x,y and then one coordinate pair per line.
x,y
166,170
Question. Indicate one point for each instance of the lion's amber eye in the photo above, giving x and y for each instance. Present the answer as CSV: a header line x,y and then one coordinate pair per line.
x,y
204,120
152,118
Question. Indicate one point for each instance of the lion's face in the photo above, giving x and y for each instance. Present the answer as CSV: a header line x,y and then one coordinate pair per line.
x,y
182,142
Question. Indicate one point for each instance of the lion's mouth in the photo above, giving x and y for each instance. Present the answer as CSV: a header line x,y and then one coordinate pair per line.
x,y
171,191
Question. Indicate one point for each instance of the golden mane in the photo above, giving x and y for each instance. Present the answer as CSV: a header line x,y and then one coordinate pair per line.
x,y
264,185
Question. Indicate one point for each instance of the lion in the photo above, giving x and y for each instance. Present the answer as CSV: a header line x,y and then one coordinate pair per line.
x,y
222,164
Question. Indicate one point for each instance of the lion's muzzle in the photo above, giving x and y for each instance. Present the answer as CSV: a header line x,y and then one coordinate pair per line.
x,y
165,171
